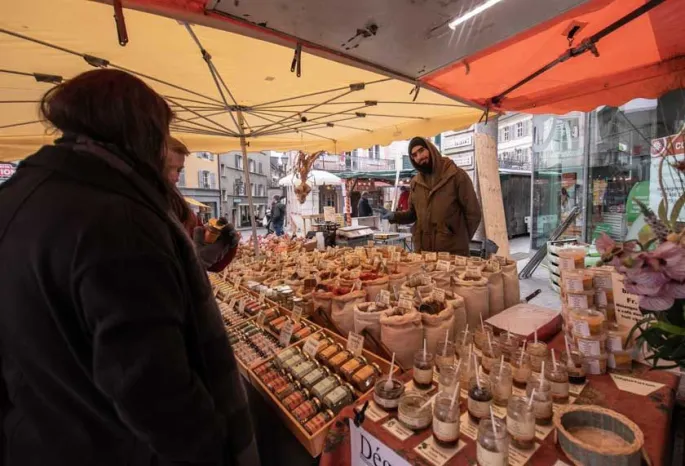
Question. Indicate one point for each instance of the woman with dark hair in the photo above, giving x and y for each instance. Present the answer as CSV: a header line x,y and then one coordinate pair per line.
x,y
113,351
217,255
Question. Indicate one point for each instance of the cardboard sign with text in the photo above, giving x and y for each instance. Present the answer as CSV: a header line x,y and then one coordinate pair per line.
x,y
368,450
627,305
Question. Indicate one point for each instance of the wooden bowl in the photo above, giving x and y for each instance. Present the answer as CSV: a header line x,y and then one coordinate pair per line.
x,y
590,435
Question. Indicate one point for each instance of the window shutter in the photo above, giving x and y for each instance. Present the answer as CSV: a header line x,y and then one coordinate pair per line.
x,y
199,178
212,180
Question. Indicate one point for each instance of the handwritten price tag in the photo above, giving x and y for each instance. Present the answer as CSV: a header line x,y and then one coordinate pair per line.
x,y
439,295
405,304
355,343
311,347
431,257
384,297
443,266
286,333
297,312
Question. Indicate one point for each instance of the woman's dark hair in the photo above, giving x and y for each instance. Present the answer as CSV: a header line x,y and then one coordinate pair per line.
x,y
112,107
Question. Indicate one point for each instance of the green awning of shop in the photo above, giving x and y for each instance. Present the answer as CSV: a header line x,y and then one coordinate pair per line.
x,y
383,175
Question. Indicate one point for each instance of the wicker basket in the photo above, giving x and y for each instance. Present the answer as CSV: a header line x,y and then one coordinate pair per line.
x,y
626,449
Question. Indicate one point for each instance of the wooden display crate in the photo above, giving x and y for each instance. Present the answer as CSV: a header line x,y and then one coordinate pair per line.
x,y
313,443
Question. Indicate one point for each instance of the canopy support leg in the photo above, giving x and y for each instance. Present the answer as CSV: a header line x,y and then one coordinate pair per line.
x,y
248,185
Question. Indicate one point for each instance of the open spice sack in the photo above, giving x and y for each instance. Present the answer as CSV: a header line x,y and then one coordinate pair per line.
x,y
473,287
416,287
402,333
441,273
510,279
437,318
367,316
373,283
342,308
460,263
492,270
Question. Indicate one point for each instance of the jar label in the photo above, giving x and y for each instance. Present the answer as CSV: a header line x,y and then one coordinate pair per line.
x,y
589,347
418,422
614,344
542,409
313,376
574,284
581,327
601,298
336,396
521,429
567,263
490,458
577,301
479,409
446,431
559,389
603,282
423,376
387,403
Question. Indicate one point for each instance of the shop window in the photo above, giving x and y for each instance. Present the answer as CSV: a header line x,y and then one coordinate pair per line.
x,y
519,129
505,134
223,171
261,170
239,162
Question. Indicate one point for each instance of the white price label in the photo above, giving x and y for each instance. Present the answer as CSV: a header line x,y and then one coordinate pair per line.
x,y
577,301
405,304
260,318
374,412
241,306
415,257
286,333
398,430
431,256
435,454
443,266
231,304
311,347
355,343
439,295
297,312
384,297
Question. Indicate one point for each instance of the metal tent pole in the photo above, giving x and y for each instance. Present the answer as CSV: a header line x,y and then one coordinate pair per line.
x,y
248,186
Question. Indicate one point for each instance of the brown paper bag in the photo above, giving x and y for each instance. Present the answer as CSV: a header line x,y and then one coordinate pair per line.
x,y
458,306
510,279
493,272
476,299
342,310
435,326
402,333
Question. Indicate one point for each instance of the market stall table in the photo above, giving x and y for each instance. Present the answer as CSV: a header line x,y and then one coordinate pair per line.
x,y
394,239
651,413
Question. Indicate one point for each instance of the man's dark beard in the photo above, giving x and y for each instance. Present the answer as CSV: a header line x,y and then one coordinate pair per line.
x,y
427,168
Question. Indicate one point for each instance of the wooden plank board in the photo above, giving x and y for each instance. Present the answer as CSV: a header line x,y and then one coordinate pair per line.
x,y
492,202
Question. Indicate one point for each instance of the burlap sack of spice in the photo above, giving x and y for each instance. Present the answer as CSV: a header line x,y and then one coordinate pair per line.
x,y
342,310
510,279
410,268
441,278
373,287
435,326
460,263
396,280
493,272
456,303
417,293
367,317
402,333
473,287
323,300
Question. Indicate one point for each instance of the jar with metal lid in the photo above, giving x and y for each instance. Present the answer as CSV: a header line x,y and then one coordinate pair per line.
x,y
366,377
294,361
314,377
338,398
277,323
446,420
319,421
284,355
349,368
480,398
538,352
492,444
277,383
306,410
521,422
327,353
295,399
287,298
388,397
542,401
304,368
337,361
413,412
264,368
321,389
286,390
304,332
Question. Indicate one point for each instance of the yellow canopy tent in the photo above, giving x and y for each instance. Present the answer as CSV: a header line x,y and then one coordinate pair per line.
x,y
331,106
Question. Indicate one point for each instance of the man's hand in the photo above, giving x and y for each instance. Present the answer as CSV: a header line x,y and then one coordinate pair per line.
x,y
210,254
386,214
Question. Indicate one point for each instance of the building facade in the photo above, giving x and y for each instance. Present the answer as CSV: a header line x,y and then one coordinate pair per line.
x,y
199,181
515,142
234,190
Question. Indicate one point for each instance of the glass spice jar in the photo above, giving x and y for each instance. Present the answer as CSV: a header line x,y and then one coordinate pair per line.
x,y
282,392
538,352
277,383
542,401
318,422
314,377
557,376
480,398
423,370
509,344
480,337
576,366
491,355
330,351
411,411
306,410
521,423
284,355
349,368
338,398
446,420
304,332
449,377
321,389
295,399
492,444
303,369
263,369
501,381
520,368
337,361
386,398
292,362
366,377
444,354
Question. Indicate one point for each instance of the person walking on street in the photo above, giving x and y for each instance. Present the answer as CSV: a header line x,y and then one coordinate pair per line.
x,y
442,202
364,208
277,215
113,350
